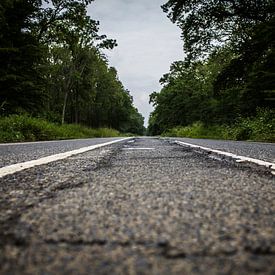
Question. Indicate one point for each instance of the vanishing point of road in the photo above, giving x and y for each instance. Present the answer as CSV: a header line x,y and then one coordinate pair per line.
x,y
136,206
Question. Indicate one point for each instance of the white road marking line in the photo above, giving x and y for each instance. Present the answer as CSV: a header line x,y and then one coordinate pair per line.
x,y
237,158
34,142
11,169
43,141
138,148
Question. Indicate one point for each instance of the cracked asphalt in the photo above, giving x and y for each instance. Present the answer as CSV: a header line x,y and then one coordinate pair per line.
x,y
124,210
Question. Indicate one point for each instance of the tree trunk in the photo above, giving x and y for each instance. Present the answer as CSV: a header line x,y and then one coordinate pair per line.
x,y
76,109
64,107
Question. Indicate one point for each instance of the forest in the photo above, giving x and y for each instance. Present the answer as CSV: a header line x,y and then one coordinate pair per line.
x,y
225,85
53,69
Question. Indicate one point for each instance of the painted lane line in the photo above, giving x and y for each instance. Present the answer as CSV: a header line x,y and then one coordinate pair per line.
x,y
138,148
237,158
37,142
43,142
11,169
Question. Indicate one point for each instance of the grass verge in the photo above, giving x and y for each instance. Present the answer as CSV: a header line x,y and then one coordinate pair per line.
x,y
258,128
17,128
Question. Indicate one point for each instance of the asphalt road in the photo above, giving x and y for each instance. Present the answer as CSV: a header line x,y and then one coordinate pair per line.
x,y
143,207
19,152
259,150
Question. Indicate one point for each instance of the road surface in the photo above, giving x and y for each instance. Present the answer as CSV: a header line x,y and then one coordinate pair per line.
x,y
258,150
18,152
147,206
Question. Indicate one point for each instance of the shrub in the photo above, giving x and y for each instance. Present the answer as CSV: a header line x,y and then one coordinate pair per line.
x,y
258,128
25,128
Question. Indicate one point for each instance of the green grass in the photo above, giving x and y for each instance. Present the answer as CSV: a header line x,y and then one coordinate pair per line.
x,y
258,128
17,128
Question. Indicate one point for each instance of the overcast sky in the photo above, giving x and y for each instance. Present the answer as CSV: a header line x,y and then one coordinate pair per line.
x,y
147,44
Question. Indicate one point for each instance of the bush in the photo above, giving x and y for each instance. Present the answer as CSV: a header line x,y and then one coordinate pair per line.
x,y
258,128
25,128
197,130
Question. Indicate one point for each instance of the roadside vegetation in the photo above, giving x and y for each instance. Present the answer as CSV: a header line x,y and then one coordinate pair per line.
x,y
17,128
258,128
225,86
54,69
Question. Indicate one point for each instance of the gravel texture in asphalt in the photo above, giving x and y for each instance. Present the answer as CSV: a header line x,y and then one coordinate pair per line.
x,y
258,150
20,152
115,210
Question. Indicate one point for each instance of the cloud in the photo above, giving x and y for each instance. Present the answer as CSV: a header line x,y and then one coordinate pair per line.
x,y
147,44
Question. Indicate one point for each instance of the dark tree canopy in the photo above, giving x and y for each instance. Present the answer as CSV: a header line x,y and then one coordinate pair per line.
x,y
20,55
67,21
208,23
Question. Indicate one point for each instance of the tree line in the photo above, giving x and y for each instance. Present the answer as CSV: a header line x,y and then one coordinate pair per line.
x,y
52,66
229,69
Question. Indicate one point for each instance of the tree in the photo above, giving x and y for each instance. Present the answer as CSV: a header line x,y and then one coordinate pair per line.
x,y
65,25
206,23
252,71
66,22
21,84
